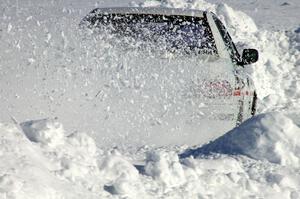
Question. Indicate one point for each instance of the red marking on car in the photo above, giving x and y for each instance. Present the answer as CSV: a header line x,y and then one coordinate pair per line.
x,y
241,93
218,88
237,93
211,88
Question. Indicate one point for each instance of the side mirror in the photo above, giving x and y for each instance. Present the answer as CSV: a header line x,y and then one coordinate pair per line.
x,y
249,56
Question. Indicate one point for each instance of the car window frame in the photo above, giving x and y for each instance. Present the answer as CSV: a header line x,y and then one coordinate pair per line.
x,y
231,48
93,21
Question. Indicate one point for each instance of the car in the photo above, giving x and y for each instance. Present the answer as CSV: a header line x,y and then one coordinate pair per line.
x,y
221,94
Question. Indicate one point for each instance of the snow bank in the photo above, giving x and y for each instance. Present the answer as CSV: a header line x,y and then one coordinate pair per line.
x,y
273,137
217,176
75,168
44,132
120,176
40,160
165,167
26,171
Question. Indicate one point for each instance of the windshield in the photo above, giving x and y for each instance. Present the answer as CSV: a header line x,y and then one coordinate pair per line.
x,y
173,33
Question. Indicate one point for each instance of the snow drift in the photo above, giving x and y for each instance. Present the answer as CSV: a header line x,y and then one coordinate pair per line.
x,y
31,171
273,137
72,166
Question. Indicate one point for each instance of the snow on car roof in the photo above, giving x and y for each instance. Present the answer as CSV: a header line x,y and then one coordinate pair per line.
x,y
151,10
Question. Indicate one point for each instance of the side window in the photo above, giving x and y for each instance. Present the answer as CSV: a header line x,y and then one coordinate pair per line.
x,y
235,56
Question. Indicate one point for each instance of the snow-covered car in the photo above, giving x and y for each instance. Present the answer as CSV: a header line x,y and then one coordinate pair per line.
x,y
222,91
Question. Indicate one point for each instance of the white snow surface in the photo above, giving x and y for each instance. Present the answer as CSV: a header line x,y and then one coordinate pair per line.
x,y
42,159
71,166
272,137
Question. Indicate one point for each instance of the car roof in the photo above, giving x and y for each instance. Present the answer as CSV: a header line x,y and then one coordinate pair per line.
x,y
150,10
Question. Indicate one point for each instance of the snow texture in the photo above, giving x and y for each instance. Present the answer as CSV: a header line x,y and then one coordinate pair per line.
x,y
272,137
76,168
40,159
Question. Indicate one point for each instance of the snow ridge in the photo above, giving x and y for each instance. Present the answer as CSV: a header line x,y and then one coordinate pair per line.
x,y
272,137
74,168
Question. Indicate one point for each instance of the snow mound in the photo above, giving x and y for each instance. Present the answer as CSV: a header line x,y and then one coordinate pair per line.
x,y
43,131
119,176
76,169
40,160
273,137
165,167
27,172
75,155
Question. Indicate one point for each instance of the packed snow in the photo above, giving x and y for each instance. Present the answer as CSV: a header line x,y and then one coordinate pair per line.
x,y
59,157
36,163
272,137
